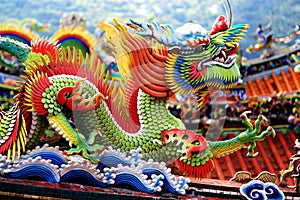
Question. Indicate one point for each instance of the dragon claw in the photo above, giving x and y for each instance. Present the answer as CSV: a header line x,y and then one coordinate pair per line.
x,y
84,152
244,114
263,118
273,132
252,154
252,134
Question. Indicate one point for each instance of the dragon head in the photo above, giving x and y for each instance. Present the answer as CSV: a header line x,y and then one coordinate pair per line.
x,y
198,59
205,58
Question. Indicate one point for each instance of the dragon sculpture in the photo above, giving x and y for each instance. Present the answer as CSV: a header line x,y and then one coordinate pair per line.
x,y
24,30
296,60
29,24
71,95
73,33
266,40
293,170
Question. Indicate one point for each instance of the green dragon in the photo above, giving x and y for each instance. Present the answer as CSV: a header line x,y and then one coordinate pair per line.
x,y
73,96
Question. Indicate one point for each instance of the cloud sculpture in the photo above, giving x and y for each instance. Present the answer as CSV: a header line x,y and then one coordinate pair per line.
x,y
257,190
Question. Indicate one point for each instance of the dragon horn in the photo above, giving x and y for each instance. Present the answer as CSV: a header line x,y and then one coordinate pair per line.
x,y
229,16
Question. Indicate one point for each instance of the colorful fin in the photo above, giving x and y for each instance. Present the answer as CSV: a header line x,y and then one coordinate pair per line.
x,y
12,132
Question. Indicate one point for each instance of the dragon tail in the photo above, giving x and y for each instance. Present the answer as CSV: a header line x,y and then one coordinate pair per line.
x,y
12,132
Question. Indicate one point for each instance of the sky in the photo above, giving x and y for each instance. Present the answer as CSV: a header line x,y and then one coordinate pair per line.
x,y
176,13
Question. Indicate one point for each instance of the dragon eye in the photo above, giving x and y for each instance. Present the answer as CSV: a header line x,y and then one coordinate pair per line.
x,y
227,47
201,48
204,46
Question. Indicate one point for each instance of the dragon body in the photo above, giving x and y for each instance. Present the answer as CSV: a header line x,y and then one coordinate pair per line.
x,y
25,31
270,41
74,96
261,46
30,24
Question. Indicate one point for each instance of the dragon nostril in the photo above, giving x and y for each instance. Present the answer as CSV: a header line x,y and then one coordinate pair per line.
x,y
185,137
167,137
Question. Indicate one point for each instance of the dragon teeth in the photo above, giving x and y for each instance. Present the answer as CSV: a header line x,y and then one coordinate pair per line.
x,y
223,53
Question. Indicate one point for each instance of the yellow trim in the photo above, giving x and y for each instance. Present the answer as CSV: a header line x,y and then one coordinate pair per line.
x,y
4,86
15,25
78,30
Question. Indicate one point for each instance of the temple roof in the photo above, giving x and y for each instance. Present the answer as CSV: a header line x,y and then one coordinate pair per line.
x,y
274,154
280,80
211,189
